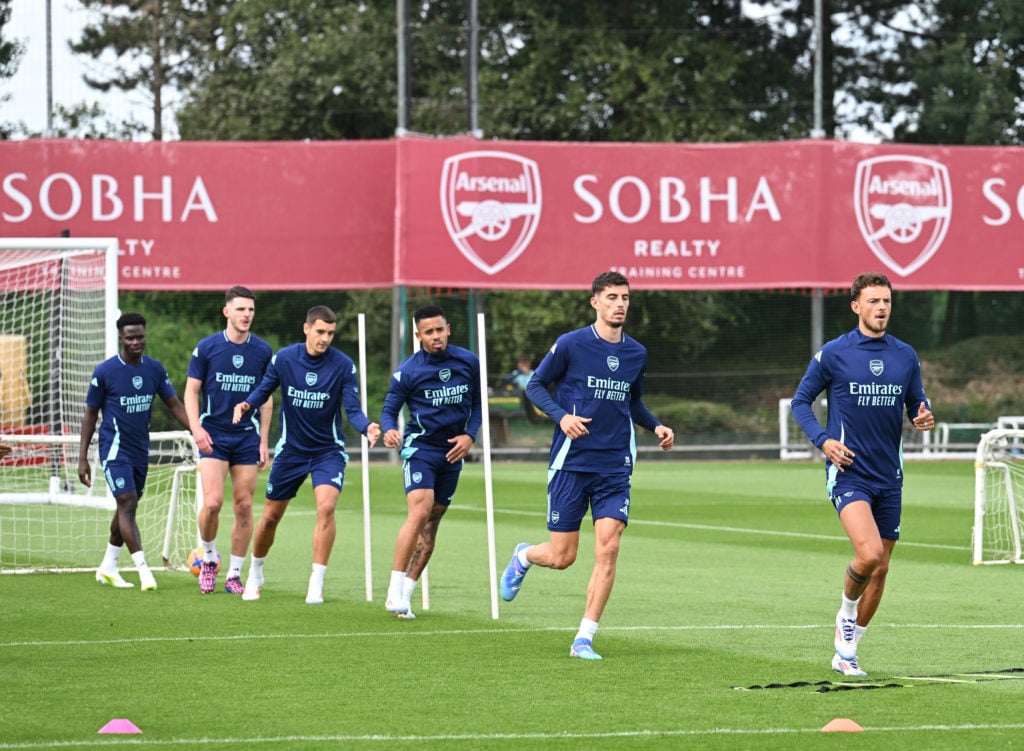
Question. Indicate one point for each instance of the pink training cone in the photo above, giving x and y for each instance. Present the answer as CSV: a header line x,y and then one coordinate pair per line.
x,y
119,726
842,725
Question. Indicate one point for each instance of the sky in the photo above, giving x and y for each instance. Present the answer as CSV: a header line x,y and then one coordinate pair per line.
x,y
28,87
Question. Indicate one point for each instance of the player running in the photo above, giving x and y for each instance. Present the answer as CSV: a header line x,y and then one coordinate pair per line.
x,y
440,384
871,379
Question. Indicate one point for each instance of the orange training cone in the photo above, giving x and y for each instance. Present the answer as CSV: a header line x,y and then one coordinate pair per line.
x,y
119,726
842,725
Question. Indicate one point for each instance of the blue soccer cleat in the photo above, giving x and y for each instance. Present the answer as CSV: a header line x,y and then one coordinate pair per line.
x,y
583,649
512,577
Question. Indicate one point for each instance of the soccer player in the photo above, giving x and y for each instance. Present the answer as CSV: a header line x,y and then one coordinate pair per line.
x,y
441,386
316,381
223,367
124,388
598,372
871,378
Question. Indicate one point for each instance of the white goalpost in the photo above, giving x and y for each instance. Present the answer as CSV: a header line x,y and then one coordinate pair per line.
x,y
58,312
999,497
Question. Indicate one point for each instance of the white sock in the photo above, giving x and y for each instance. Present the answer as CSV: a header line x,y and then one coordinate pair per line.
x,y
408,587
848,610
860,633
209,550
237,561
110,557
256,567
396,584
521,555
316,579
587,629
140,559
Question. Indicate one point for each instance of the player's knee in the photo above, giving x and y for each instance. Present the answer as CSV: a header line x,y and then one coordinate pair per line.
x,y
562,559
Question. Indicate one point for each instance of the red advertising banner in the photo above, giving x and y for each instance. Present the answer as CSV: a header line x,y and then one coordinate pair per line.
x,y
709,216
499,214
209,215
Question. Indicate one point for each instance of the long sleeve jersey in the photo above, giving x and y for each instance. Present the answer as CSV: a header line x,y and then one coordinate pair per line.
x,y
442,392
314,390
597,379
871,382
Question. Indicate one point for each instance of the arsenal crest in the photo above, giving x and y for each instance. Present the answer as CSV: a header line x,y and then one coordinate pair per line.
x,y
613,363
237,360
445,374
491,204
310,378
137,382
903,205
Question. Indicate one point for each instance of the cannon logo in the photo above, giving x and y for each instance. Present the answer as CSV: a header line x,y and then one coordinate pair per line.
x,y
491,203
903,206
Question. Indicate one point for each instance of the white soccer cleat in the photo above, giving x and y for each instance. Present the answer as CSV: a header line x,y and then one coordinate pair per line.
x,y
253,587
314,596
397,606
408,615
146,579
846,667
112,578
846,637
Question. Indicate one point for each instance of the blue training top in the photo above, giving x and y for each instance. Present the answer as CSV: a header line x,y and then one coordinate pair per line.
x,y
227,371
442,392
314,389
124,394
597,379
871,383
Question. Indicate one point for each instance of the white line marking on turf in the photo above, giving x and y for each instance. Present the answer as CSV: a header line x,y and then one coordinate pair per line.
x,y
624,734
469,631
736,530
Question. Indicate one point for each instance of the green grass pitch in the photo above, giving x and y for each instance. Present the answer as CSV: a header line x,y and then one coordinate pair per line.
x,y
729,578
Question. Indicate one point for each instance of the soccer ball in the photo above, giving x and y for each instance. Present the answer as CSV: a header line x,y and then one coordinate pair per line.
x,y
195,560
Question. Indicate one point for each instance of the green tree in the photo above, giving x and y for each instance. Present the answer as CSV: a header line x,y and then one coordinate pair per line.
x,y
10,55
292,69
158,44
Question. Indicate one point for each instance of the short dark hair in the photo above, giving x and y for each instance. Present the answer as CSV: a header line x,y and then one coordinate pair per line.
x,y
130,319
321,313
429,311
238,291
608,279
869,279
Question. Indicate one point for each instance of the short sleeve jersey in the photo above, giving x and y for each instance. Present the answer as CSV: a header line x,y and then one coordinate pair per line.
x,y
603,381
124,394
442,392
314,390
228,372
870,383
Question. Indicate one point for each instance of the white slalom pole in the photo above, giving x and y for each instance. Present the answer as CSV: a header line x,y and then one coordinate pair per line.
x,y
485,430
425,575
365,455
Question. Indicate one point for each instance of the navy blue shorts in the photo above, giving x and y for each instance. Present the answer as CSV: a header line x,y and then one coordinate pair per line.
x,y
427,468
886,505
126,476
235,447
571,493
290,470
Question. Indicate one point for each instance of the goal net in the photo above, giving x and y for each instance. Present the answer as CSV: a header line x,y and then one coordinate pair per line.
x,y
58,313
998,497
50,521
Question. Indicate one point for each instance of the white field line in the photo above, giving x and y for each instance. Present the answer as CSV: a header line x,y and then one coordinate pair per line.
x,y
262,740
470,631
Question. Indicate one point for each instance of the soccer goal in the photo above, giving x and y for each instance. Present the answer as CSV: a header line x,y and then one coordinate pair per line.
x,y
998,497
50,521
58,313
